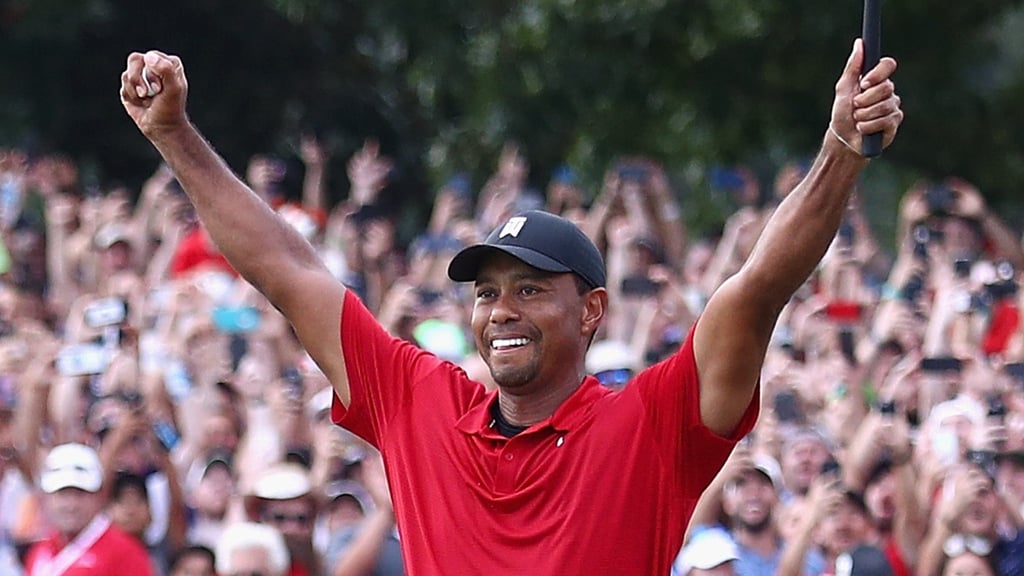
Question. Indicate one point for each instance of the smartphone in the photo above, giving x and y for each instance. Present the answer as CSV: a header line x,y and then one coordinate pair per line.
x,y
844,311
996,407
166,434
633,174
428,297
726,179
82,360
641,286
887,408
912,289
940,364
847,344
831,466
846,234
984,459
1000,290
786,406
105,312
1015,370
236,319
962,267
946,446
293,382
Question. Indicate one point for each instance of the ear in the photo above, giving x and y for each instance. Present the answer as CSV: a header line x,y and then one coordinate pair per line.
x,y
595,304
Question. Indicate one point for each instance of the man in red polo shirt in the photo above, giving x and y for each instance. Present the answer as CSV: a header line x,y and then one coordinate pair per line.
x,y
84,542
550,473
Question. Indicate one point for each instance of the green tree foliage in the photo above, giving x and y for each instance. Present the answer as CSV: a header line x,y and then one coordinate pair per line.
x,y
443,84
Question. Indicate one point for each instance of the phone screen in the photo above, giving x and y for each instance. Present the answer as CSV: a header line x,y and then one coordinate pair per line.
x,y
82,360
787,407
843,311
235,320
639,286
105,312
166,434
946,446
940,364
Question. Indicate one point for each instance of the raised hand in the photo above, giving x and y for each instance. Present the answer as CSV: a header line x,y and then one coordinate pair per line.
x,y
154,91
865,104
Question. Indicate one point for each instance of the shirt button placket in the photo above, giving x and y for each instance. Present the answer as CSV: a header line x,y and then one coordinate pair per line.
x,y
505,481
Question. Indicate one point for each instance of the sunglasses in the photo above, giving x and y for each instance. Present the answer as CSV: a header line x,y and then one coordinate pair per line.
x,y
958,544
281,518
617,377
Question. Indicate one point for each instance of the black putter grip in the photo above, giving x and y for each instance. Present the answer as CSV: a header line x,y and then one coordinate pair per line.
x,y
871,144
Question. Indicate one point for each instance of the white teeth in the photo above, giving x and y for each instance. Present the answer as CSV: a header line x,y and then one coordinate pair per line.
x,y
500,343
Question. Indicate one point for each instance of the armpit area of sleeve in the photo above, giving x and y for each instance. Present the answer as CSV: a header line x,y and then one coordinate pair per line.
x,y
707,450
356,417
744,427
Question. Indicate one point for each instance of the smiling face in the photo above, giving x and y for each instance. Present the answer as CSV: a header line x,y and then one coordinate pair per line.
x,y
532,327
749,501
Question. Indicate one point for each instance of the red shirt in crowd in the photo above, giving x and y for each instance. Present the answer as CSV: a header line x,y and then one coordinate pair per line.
x,y
606,485
196,250
101,549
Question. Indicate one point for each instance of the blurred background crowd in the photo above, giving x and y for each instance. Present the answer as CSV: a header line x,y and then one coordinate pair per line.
x,y
891,435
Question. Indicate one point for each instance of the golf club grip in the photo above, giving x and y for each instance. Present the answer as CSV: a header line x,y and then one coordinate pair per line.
x,y
871,144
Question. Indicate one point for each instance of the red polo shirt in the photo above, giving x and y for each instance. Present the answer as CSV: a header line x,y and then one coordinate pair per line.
x,y
114,553
606,485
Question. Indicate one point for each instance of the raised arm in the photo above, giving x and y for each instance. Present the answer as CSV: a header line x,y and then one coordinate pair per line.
x,y
733,334
264,249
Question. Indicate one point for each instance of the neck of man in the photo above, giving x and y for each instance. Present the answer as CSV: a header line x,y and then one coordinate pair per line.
x,y
526,409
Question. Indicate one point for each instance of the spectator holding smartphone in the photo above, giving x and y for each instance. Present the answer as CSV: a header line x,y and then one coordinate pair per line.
x,y
966,519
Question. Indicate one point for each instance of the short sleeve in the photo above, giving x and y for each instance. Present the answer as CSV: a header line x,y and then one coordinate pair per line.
x,y
670,392
382,371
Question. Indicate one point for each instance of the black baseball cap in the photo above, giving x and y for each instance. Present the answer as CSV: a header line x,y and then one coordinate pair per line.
x,y
540,239
864,560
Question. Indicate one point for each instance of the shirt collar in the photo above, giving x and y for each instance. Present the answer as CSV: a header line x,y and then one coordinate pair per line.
x,y
573,411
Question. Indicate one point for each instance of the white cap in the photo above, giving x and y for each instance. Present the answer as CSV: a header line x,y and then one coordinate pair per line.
x,y
110,234
283,481
610,355
708,548
320,402
71,466
768,466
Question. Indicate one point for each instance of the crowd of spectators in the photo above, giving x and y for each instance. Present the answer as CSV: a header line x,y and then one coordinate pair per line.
x,y
143,383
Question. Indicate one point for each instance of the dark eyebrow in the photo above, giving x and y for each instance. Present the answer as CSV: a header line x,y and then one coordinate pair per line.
x,y
534,274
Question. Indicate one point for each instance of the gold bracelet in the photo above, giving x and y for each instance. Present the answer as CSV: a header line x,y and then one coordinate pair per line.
x,y
841,139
